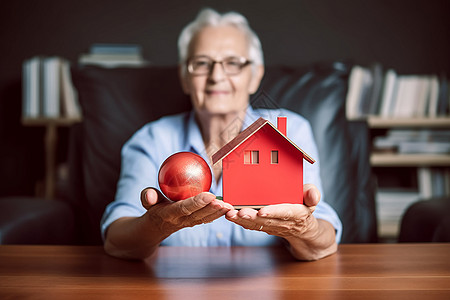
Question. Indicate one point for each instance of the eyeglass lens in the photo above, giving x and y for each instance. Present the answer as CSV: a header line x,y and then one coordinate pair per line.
x,y
203,65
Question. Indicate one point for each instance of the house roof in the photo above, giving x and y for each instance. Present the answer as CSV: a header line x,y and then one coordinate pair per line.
x,y
246,134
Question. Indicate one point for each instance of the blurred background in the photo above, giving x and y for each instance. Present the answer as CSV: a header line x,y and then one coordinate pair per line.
x,y
411,37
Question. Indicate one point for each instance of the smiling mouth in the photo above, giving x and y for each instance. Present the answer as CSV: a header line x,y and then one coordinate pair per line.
x,y
217,92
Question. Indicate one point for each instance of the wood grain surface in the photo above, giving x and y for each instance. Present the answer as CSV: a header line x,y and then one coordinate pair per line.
x,y
365,271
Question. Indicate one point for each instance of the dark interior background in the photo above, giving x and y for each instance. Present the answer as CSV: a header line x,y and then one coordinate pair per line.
x,y
410,36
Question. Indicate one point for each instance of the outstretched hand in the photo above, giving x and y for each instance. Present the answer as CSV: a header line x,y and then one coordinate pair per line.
x,y
171,216
284,220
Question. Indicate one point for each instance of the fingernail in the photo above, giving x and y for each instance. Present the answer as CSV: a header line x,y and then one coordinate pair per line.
x,y
246,217
316,195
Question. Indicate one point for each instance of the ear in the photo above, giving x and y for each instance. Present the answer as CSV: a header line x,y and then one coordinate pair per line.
x,y
183,80
256,79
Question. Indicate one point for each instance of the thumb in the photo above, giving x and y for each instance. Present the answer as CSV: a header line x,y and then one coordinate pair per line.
x,y
151,196
311,195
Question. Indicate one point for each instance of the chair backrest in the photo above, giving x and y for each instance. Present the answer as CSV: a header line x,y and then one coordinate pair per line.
x,y
116,102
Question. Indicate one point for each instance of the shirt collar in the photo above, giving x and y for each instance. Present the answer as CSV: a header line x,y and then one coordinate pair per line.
x,y
194,140
250,117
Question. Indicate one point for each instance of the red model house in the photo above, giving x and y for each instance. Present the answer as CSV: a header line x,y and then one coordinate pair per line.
x,y
261,166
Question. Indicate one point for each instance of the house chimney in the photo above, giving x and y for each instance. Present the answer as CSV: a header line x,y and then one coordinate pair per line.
x,y
282,125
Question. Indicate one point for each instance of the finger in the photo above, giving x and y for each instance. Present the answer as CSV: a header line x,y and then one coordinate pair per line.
x,y
151,196
284,212
247,218
232,213
212,211
247,213
311,195
193,204
214,215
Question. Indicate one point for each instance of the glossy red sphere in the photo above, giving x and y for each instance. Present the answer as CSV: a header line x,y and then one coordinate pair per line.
x,y
183,175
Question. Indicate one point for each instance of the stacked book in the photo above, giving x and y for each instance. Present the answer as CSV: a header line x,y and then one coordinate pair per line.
x,y
433,182
414,141
48,91
392,204
113,56
375,92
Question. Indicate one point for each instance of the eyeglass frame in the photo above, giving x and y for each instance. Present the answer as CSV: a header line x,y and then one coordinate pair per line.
x,y
244,62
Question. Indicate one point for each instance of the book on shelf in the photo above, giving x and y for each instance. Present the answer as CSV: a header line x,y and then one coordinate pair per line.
x,y
443,103
434,97
113,56
31,76
375,92
125,49
433,182
48,91
70,107
360,83
51,87
417,141
392,203
413,97
387,94
372,92
424,147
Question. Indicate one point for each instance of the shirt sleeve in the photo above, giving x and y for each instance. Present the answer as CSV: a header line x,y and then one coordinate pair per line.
x,y
138,169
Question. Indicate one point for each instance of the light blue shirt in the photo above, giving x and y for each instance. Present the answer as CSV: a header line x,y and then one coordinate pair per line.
x,y
147,149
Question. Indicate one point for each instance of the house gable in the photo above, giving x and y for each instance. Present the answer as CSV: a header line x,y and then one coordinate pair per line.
x,y
248,133
264,142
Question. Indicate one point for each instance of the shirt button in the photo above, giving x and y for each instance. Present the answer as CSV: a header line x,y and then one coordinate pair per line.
x,y
219,235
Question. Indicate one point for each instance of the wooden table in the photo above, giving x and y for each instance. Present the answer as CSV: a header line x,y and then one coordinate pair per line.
x,y
370,271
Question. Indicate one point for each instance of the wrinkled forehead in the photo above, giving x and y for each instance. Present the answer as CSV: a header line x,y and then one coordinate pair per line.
x,y
219,42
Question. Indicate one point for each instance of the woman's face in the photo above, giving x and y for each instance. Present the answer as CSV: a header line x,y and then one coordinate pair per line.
x,y
217,92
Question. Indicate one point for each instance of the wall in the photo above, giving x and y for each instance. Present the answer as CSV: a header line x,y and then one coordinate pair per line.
x,y
410,36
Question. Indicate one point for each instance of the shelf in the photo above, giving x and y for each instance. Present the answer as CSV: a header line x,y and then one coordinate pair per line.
x,y
409,160
50,121
50,141
379,122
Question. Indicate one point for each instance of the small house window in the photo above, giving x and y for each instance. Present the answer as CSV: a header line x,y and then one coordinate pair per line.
x,y
274,157
251,157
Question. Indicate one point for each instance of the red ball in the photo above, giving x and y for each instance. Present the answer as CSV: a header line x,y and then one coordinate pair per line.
x,y
183,175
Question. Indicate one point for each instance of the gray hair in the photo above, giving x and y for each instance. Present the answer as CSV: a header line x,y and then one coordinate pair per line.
x,y
209,17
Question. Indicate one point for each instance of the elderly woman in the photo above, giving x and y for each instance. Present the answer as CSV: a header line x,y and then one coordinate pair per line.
x,y
221,64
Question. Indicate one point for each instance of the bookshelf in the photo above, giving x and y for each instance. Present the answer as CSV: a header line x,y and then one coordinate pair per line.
x,y
393,201
409,120
50,144
51,101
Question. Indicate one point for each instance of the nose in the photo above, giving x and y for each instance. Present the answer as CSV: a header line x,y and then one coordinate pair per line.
x,y
217,72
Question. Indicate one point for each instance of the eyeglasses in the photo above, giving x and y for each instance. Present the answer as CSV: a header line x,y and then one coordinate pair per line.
x,y
202,65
